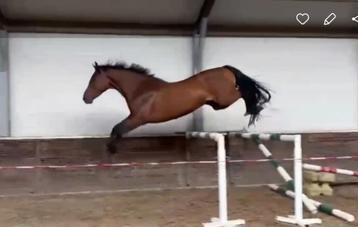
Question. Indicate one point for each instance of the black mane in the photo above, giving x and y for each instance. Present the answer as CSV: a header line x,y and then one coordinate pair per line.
x,y
123,66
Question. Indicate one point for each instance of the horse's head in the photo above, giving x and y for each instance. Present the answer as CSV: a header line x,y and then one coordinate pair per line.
x,y
255,96
98,84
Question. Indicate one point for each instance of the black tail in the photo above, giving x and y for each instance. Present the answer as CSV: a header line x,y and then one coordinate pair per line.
x,y
254,94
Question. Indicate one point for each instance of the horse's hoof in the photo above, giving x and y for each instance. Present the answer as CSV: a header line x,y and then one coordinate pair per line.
x,y
111,148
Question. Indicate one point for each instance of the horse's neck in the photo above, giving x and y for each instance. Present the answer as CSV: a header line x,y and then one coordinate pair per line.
x,y
126,82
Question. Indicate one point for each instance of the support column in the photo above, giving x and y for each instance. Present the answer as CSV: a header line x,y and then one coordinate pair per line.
x,y
198,48
4,85
199,34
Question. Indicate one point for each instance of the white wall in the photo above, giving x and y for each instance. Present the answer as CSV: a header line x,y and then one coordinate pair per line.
x,y
314,82
49,74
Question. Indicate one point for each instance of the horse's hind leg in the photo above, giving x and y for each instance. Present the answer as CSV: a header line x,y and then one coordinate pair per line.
x,y
121,128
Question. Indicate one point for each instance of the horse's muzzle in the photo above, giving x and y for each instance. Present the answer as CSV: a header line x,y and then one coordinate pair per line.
x,y
87,100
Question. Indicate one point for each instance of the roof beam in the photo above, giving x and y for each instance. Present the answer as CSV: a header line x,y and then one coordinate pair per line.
x,y
174,29
99,28
204,13
280,31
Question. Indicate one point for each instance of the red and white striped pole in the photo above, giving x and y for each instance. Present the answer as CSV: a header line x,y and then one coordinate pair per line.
x,y
327,169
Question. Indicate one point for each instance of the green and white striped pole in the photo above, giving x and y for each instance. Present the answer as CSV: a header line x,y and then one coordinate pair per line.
x,y
284,174
324,208
297,161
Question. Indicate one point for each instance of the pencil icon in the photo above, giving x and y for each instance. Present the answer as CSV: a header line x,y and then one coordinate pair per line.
x,y
331,17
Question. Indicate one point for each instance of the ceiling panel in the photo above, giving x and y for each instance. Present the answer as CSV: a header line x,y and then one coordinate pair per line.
x,y
123,11
282,12
176,17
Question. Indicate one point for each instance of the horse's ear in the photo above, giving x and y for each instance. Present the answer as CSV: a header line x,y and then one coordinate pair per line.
x,y
95,66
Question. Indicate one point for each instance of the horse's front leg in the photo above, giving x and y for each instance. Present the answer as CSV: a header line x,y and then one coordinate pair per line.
x,y
121,128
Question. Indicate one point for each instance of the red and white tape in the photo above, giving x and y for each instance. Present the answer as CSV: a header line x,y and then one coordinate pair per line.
x,y
129,164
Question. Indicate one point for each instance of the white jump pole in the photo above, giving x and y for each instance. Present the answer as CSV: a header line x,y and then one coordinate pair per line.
x,y
297,154
222,221
297,218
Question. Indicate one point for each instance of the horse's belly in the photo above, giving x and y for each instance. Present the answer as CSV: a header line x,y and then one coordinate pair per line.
x,y
170,107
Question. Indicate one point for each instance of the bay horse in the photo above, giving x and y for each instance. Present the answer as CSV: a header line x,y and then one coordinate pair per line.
x,y
153,100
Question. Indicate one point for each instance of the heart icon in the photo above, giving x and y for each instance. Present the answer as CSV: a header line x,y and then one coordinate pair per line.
x,y
302,18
